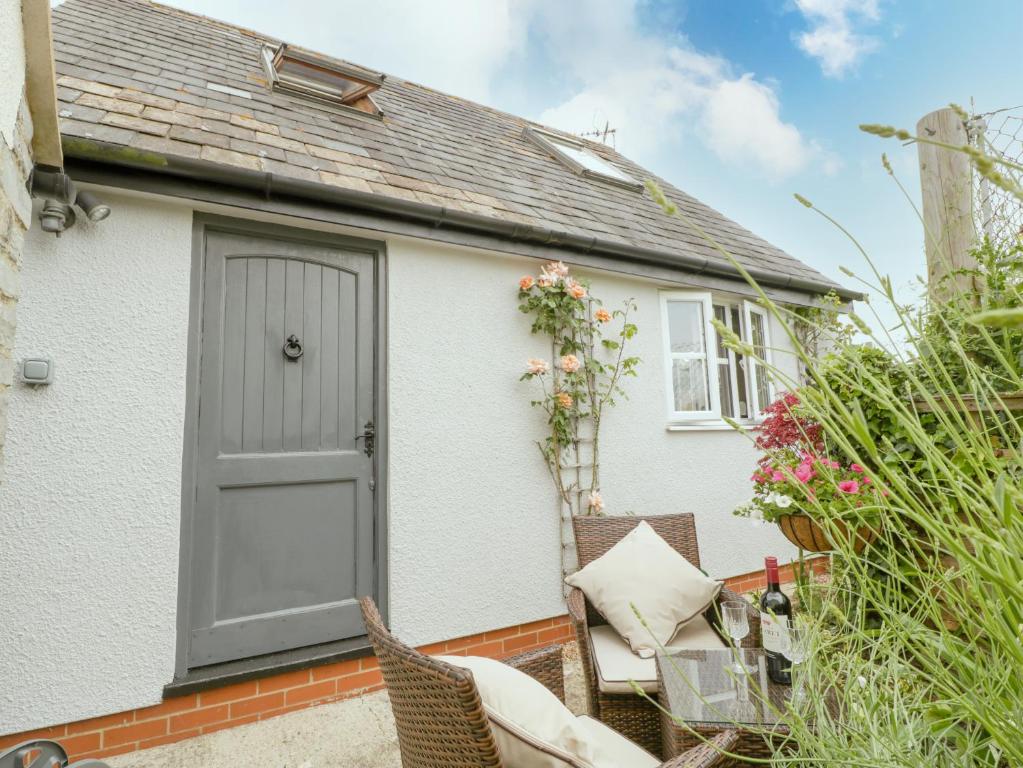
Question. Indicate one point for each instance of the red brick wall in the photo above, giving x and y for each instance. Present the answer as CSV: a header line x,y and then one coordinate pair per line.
x,y
186,716
756,580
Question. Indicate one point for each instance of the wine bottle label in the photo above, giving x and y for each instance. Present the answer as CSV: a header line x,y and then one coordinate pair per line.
x,y
774,630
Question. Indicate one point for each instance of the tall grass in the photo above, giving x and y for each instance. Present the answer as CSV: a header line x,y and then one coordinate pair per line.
x,y
918,641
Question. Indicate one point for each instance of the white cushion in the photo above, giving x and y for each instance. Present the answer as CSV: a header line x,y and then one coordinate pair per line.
x,y
643,570
616,664
614,750
533,729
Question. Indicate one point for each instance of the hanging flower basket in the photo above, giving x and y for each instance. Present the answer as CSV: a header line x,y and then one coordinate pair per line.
x,y
807,534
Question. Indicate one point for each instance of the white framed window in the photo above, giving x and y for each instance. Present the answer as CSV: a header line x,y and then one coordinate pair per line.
x,y
706,381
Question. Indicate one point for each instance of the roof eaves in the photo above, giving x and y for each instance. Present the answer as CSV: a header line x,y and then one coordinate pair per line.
x,y
271,185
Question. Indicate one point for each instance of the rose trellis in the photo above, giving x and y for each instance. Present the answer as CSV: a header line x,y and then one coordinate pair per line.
x,y
586,377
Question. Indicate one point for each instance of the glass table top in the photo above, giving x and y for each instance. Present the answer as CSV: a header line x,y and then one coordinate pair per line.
x,y
704,687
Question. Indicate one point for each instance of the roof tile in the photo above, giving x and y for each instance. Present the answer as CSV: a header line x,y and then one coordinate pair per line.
x,y
229,157
88,86
108,104
137,124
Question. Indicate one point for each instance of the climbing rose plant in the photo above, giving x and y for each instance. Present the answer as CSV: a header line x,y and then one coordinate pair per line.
x,y
590,362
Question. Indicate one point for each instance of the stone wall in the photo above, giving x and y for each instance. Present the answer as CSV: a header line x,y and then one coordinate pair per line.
x,y
15,217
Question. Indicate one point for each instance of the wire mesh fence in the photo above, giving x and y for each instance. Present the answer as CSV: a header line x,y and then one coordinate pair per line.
x,y
998,214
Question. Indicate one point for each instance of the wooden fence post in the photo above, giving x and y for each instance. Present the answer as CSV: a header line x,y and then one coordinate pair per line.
x,y
946,183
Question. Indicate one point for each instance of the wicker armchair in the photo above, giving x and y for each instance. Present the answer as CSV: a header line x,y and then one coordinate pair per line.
x,y
440,718
628,713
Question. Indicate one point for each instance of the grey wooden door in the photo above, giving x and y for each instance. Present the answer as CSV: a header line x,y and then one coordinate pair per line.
x,y
283,533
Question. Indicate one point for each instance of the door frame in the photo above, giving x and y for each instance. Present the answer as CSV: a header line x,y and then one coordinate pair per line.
x,y
201,224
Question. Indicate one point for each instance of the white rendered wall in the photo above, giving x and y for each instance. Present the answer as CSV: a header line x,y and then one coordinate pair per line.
x,y
91,502
473,514
12,65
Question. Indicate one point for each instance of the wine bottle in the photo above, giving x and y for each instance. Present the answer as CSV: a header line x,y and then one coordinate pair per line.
x,y
775,613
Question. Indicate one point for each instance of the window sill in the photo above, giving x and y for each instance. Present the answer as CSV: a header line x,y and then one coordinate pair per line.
x,y
708,426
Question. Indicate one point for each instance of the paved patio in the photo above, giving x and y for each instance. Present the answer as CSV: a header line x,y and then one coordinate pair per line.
x,y
356,733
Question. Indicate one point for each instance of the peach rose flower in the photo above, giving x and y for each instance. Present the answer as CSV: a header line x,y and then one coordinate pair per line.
x,y
596,502
564,399
545,281
570,363
526,283
603,315
576,291
537,367
556,269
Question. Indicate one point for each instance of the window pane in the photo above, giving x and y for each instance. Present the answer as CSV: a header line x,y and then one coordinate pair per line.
x,y
740,373
759,342
721,314
690,381
685,326
725,389
588,160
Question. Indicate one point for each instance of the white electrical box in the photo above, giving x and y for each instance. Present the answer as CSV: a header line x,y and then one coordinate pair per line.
x,y
37,370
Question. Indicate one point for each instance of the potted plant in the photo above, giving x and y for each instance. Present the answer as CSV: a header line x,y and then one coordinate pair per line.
x,y
815,500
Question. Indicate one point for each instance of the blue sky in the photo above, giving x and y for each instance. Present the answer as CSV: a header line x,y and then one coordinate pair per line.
x,y
738,102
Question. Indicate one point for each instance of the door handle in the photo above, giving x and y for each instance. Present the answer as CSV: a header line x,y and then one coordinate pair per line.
x,y
292,349
369,435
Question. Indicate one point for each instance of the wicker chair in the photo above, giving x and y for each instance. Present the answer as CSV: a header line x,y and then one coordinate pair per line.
x,y
628,713
42,753
440,718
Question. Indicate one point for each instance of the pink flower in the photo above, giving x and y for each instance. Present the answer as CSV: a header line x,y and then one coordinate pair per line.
x,y
575,290
537,367
525,283
777,476
595,502
834,464
803,473
849,486
857,468
759,478
602,315
570,363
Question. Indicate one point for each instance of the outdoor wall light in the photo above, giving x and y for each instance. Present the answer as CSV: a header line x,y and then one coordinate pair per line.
x,y
60,193
56,217
92,206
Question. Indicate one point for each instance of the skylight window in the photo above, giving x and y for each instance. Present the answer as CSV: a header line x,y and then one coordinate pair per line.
x,y
577,156
296,71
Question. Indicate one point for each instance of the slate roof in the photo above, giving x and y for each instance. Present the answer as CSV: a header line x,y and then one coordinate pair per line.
x,y
151,77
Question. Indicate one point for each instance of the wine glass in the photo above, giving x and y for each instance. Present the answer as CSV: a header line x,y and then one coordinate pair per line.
x,y
736,621
796,650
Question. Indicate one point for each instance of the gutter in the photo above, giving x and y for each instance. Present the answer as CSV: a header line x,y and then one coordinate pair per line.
x,y
271,186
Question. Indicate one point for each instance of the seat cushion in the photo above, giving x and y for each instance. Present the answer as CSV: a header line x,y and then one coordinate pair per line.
x,y
531,726
612,750
616,664
644,571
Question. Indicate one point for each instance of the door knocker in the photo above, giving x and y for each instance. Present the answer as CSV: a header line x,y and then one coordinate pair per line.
x,y
293,348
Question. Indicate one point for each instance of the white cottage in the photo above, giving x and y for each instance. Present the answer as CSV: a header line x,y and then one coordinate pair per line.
x,y
283,372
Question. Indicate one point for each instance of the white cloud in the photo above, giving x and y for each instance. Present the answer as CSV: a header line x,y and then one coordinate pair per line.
x,y
742,124
657,90
833,38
